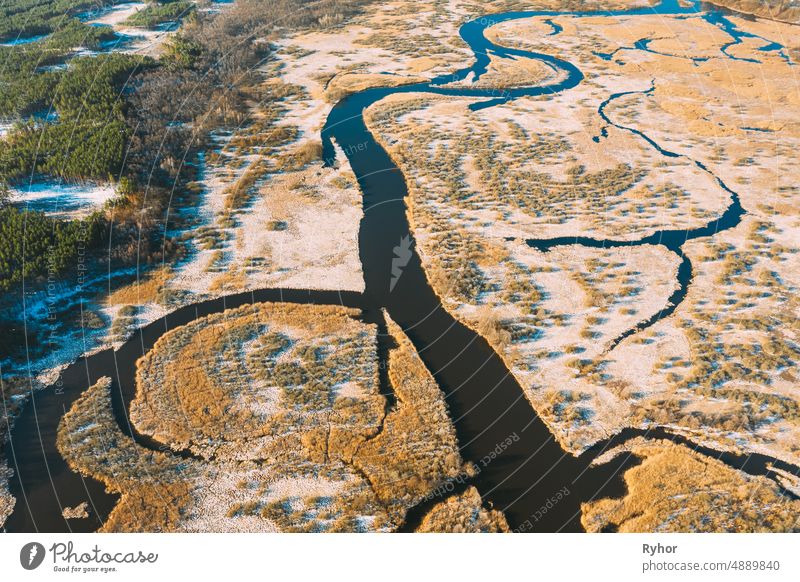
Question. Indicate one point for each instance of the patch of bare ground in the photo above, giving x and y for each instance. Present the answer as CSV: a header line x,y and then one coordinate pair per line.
x,y
677,490
280,406
463,513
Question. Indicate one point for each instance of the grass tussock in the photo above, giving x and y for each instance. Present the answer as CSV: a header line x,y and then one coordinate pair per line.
x,y
144,290
463,513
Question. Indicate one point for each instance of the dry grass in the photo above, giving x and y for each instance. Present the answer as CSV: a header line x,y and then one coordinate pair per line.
x,y
7,500
678,490
241,191
254,372
228,282
784,10
160,492
724,366
280,406
14,394
154,486
80,511
142,291
508,74
342,85
301,156
541,180
463,513
417,449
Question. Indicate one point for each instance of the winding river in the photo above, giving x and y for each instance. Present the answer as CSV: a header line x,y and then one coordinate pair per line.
x,y
487,404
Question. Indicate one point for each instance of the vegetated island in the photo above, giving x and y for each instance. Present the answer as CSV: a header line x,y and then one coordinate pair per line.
x,y
277,412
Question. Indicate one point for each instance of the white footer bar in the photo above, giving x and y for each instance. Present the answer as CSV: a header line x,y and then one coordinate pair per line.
x,y
407,558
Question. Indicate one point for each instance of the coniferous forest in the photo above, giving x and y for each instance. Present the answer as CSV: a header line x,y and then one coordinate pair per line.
x,y
126,119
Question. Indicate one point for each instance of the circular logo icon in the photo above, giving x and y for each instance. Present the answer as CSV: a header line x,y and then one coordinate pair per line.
x,y
31,555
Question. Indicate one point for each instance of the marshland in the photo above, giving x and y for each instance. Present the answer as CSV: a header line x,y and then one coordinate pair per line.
x,y
561,339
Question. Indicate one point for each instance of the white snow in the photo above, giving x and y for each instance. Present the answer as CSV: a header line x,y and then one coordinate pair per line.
x,y
59,199
115,15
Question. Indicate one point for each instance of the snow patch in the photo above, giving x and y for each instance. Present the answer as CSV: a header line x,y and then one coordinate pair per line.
x,y
62,200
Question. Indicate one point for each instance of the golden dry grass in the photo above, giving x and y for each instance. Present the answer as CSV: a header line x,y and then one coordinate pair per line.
x,y
280,406
160,492
417,449
677,490
463,513
724,366
257,372
507,74
13,395
154,487
80,511
7,500
783,10
229,282
342,85
144,290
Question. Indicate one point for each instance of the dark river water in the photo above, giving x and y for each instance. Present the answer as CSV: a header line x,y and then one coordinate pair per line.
x,y
487,404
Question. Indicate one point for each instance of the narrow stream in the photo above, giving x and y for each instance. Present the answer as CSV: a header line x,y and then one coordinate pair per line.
x,y
487,404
